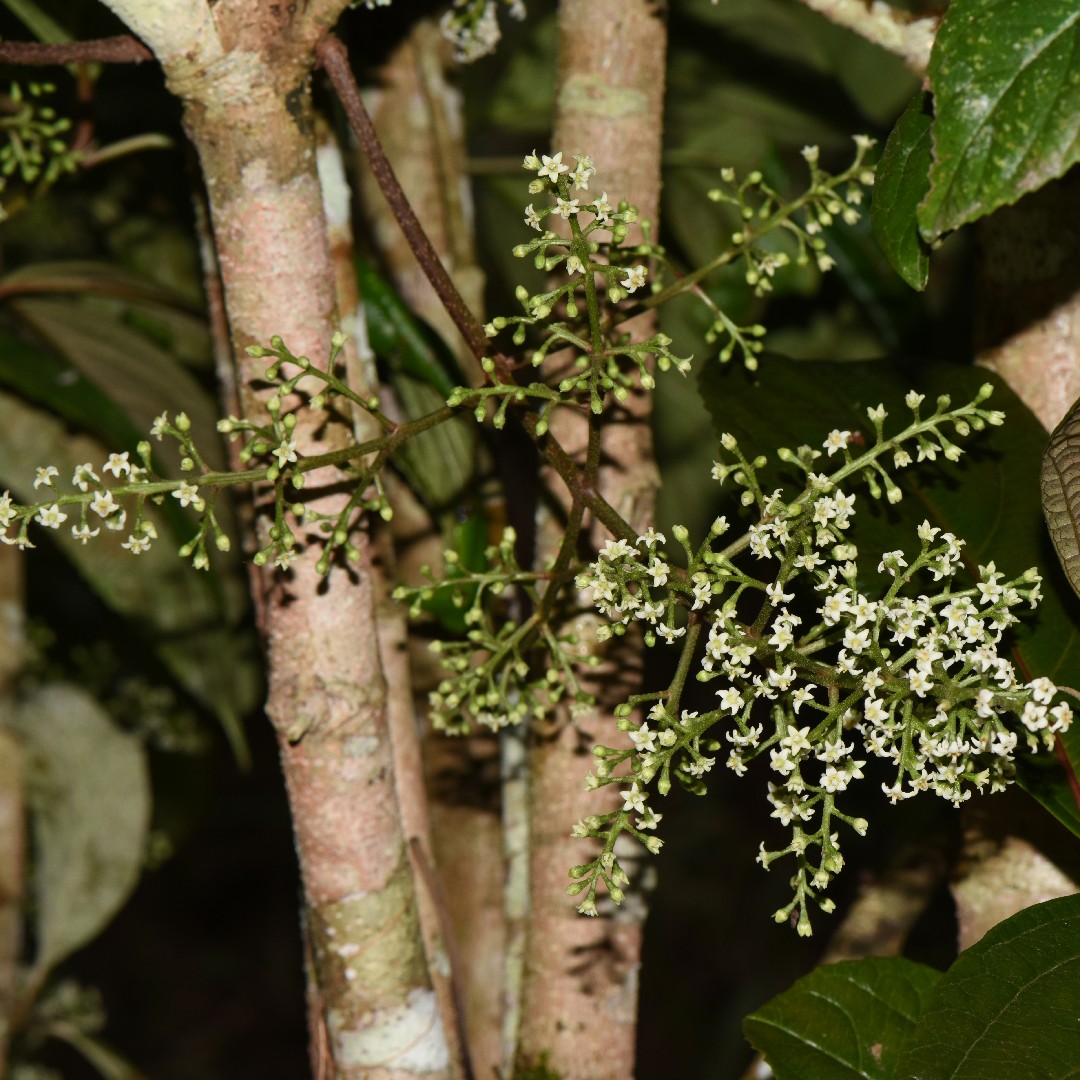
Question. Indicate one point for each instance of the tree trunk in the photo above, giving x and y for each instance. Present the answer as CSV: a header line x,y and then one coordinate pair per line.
x,y
579,998
242,72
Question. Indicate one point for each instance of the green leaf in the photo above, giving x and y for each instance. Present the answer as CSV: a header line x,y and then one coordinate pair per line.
x,y
1005,75
843,1020
1007,1007
900,186
990,499
89,793
422,371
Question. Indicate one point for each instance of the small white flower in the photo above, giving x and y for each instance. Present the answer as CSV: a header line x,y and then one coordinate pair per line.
x,y
635,278
532,218
730,699
836,440
103,504
160,424
45,476
565,207
84,476
285,454
118,465
187,495
51,517
83,532
552,166
136,544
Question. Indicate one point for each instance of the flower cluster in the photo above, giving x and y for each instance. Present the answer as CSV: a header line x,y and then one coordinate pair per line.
x,y
99,505
598,271
472,27
494,677
819,664
772,233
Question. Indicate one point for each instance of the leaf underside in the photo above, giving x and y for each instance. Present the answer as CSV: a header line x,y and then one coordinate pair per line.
x,y
1061,494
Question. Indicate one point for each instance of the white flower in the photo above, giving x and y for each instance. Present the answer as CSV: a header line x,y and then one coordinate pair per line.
x,y
84,476
51,517
635,278
836,440
565,207
532,218
574,265
285,453
83,532
103,504
118,465
159,425
136,544
187,495
634,799
730,699
45,475
913,400
644,739
603,209
553,166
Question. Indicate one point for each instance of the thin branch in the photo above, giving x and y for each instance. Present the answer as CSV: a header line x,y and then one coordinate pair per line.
x,y
334,59
123,49
890,28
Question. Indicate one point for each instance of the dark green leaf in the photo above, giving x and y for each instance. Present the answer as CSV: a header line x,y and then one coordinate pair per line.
x,y
438,463
1005,75
900,185
1006,1008
844,1020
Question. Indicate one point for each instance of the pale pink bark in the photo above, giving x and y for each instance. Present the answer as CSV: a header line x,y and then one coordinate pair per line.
x,y
579,998
244,83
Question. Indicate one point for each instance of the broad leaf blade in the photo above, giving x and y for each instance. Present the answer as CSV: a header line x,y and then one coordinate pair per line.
x,y
90,795
1005,75
900,185
1007,1007
843,1021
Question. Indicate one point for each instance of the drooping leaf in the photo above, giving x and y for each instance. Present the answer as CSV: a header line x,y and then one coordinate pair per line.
x,y
422,371
89,793
990,498
900,185
140,377
1007,1007
1005,75
843,1021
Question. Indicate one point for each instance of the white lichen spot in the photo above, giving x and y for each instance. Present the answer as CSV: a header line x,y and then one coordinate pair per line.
x,y
335,187
361,746
407,1038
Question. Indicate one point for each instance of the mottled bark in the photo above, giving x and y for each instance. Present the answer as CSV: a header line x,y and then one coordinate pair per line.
x,y
243,77
579,997
417,113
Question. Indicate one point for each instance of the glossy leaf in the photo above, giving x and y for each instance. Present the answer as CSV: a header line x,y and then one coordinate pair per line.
x,y
901,183
1005,75
89,792
843,1021
991,498
1007,1007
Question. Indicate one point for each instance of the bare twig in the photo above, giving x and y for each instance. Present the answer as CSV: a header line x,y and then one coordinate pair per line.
x,y
334,59
123,49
